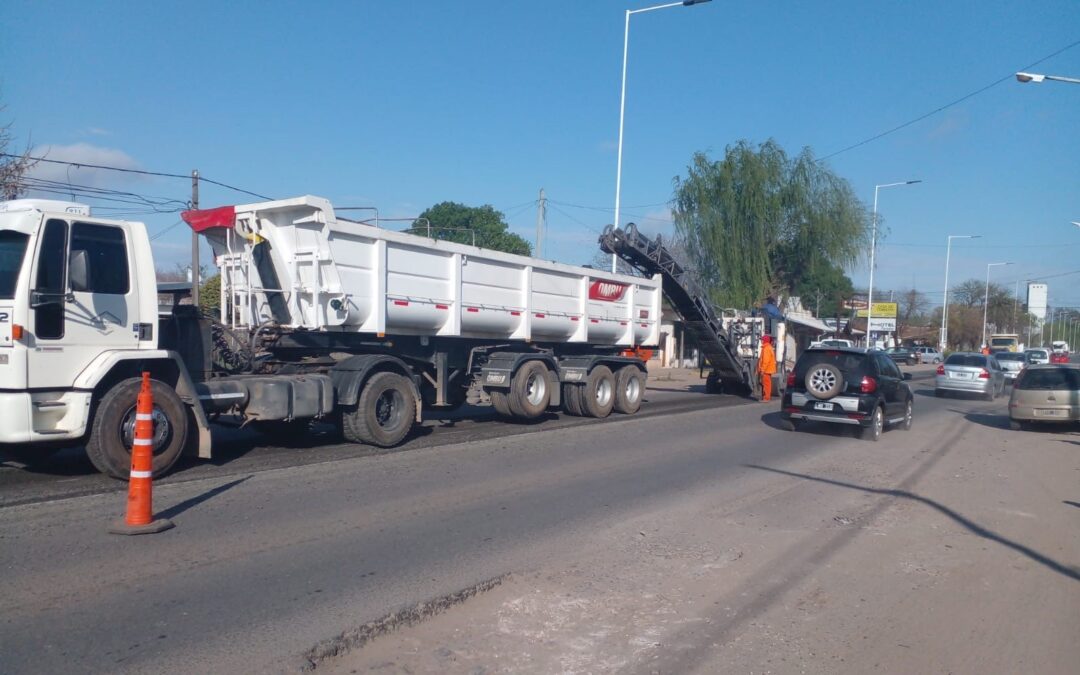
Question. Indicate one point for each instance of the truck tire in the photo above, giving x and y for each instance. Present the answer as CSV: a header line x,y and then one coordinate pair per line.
x,y
113,428
629,390
598,395
530,390
384,414
571,399
500,400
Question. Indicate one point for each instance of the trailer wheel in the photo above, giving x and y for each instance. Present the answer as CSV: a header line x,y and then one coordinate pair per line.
x,y
384,414
500,400
571,399
109,445
598,397
530,390
629,390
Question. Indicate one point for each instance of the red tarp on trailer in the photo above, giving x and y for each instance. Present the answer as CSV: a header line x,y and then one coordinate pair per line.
x,y
204,219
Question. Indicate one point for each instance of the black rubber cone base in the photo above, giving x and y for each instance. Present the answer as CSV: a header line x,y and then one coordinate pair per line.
x,y
159,525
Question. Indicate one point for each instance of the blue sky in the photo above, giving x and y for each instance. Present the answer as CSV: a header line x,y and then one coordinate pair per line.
x,y
405,104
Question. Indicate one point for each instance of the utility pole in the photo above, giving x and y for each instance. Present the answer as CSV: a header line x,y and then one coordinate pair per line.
x,y
195,240
541,223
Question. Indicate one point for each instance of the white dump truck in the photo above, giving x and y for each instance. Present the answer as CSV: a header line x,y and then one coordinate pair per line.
x,y
321,318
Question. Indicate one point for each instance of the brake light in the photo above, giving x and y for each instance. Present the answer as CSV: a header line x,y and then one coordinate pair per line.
x,y
791,379
16,331
984,374
868,385
941,369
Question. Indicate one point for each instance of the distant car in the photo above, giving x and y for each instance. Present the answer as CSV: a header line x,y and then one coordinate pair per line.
x,y
903,355
834,342
1059,346
1037,356
1011,364
972,373
1045,393
849,386
929,355
1059,357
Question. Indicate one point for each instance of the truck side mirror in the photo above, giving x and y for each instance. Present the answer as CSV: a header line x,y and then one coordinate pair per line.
x,y
79,272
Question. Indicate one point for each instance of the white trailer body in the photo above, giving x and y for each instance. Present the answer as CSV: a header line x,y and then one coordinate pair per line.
x,y
339,275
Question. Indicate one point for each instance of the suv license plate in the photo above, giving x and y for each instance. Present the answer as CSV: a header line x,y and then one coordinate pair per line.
x,y
1049,412
823,406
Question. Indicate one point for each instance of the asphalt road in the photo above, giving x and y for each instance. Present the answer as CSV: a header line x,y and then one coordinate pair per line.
x,y
271,556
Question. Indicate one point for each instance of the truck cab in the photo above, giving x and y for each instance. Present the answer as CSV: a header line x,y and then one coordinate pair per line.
x,y
74,291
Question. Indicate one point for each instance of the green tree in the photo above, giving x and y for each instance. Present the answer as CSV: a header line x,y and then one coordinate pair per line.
x,y
823,289
759,222
452,221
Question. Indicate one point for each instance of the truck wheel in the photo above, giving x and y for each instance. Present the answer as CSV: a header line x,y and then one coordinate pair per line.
x,y
571,399
384,414
629,390
109,445
598,397
500,400
530,390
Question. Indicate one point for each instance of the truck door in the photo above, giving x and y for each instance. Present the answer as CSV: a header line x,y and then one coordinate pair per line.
x,y
82,302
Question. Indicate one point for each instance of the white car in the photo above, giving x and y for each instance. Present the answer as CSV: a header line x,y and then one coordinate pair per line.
x,y
833,343
929,355
1060,347
1037,356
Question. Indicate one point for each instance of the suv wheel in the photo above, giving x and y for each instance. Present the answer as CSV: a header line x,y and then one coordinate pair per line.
x,y
877,422
824,381
908,410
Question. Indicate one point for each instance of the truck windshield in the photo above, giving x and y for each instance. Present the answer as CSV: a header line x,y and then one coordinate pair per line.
x,y
12,252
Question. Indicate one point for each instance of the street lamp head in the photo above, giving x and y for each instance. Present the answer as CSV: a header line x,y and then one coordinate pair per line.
x,y
1030,77
912,182
694,2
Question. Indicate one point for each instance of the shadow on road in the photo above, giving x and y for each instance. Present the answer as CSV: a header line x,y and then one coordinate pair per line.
x,y
973,527
984,419
176,510
774,420
1066,501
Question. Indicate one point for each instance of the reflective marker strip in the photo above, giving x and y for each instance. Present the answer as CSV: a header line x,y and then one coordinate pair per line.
x,y
141,474
143,441
144,417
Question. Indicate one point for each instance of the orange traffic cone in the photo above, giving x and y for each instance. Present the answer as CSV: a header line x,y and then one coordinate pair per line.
x,y
140,514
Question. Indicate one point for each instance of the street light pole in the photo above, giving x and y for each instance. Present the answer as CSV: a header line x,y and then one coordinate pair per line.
x,y
1038,79
622,100
873,248
986,297
945,307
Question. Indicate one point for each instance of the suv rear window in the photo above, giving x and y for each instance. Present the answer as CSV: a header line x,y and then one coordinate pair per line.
x,y
1010,356
1050,378
974,360
849,363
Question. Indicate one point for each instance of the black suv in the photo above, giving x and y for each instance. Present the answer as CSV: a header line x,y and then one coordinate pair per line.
x,y
847,386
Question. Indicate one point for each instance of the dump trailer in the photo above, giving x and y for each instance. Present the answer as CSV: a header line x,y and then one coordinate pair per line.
x,y
729,340
321,318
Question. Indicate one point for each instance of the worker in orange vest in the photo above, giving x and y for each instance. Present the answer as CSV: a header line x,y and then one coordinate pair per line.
x,y
766,367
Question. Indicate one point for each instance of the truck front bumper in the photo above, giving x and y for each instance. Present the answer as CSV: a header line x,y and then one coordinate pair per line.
x,y
42,417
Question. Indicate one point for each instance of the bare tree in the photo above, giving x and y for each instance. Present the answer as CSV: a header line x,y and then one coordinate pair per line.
x,y
13,166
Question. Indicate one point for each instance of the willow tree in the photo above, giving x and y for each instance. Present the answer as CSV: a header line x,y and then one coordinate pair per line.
x,y
758,221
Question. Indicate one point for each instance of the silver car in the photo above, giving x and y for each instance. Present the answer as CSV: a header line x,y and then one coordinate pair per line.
x,y
1037,355
972,373
929,355
1011,364
1046,393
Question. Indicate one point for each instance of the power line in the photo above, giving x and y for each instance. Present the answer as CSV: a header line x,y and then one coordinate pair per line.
x,y
141,172
947,105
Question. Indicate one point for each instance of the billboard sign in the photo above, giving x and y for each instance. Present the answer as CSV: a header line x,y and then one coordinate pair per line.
x,y
882,325
884,309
